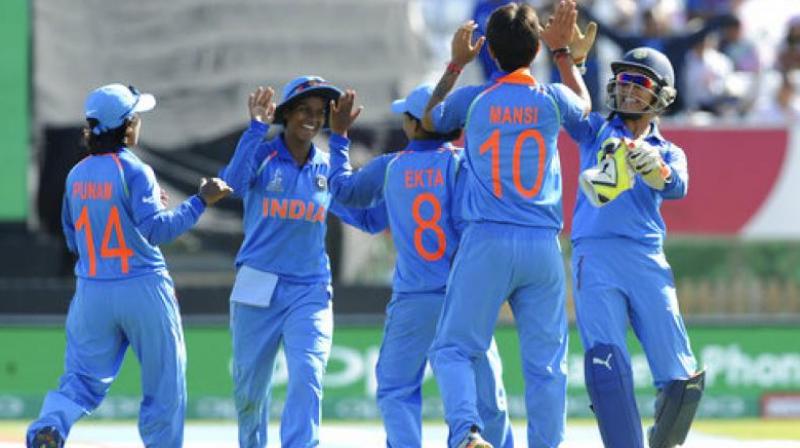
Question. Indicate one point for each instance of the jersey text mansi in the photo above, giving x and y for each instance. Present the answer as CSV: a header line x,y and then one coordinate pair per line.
x,y
423,178
513,115
292,209
100,191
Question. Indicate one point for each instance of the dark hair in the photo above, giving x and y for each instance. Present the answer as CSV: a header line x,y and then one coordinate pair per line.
x,y
448,137
109,141
513,35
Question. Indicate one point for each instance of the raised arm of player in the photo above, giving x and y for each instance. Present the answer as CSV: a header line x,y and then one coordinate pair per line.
x,y
241,170
362,188
463,51
558,35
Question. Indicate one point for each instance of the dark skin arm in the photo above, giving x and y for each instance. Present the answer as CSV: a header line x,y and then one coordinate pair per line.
x,y
462,53
558,33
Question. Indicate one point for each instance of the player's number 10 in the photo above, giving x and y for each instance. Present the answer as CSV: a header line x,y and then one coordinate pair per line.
x,y
121,251
493,144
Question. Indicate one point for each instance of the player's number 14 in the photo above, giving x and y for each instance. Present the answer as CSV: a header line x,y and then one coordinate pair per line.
x,y
113,224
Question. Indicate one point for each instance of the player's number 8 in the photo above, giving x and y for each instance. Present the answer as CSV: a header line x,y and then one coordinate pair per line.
x,y
493,144
431,224
113,224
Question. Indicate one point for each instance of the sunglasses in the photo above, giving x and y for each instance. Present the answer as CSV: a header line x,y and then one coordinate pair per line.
x,y
636,78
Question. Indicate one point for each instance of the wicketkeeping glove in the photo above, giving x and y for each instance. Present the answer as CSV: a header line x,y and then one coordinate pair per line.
x,y
611,177
582,43
645,160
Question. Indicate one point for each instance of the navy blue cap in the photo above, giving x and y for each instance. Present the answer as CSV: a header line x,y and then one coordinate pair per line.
x,y
302,87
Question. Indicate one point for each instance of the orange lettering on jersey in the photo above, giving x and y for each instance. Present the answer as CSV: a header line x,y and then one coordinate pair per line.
x,y
423,178
278,207
506,115
97,191
513,115
495,113
310,211
297,209
320,215
439,179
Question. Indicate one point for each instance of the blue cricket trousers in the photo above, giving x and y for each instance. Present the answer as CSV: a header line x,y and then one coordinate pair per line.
x,y
617,280
408,332
106,316
300,318
497,262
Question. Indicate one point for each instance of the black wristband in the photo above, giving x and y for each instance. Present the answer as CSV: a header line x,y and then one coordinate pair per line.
x,y
560,52
205,204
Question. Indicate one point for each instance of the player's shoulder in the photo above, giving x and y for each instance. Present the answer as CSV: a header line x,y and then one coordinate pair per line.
x,y
131,164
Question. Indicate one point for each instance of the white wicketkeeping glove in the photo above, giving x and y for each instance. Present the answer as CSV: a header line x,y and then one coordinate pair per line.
x,y
645,160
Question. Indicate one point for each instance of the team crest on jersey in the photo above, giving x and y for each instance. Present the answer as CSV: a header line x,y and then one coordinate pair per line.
x,y
276,183
321,182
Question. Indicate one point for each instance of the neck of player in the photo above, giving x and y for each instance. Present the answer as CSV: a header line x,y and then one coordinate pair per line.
x,y
639,127
298,148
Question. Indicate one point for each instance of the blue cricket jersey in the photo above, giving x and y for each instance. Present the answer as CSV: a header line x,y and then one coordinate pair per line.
x,y
511,132
634,214
286,206
420,187
113,218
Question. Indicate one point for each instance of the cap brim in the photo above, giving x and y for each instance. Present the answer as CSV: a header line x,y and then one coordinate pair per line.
x,y
327,92
399,106
146,102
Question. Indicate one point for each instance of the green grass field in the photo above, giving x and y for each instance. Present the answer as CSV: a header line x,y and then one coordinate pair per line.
x,y
742,429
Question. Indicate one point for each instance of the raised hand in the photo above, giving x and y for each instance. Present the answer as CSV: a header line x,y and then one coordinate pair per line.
x,y
260,104
462,50
582,42
558,31
164,197
342,115
214,189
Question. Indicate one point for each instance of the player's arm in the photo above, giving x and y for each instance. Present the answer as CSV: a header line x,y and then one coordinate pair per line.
x,y
241,170
371,220
361,188
462,53
677,185
457,194
667,174
67,225
159,225
558,35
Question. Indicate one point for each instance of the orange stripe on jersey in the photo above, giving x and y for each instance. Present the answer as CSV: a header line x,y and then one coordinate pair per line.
x,y
518,76
121,174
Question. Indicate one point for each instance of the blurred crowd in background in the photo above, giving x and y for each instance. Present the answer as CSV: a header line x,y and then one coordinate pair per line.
x,y
734,59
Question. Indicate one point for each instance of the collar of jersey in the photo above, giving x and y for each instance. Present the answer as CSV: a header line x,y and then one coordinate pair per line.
x,y
427,145
518,76
654,135
283,152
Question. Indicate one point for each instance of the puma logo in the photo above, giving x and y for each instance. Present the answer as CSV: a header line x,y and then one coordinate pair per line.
x,y
603,362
